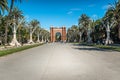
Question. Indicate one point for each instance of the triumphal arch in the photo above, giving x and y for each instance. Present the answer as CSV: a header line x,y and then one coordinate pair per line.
x,y
58,34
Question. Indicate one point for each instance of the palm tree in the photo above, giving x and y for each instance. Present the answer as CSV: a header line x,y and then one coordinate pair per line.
x,y
45,35
109,22
38,33
16,21
72,33
32,26
20,30
84,23
3,5
115,11
75,31
81,29
9,14
7,23
42,35
24,31
17,14
12,5
98,31
69,35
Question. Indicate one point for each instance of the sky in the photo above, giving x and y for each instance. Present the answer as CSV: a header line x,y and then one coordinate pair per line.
x,y
60,13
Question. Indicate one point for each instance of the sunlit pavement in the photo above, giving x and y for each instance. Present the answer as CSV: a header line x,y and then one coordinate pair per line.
x,y
61,61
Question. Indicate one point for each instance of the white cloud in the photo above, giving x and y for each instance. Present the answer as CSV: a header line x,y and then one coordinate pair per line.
x,y
75,9
91,5
70,12
106,6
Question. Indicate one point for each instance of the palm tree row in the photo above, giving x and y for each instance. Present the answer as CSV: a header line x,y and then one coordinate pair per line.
x,y
105,30
14,30
20,32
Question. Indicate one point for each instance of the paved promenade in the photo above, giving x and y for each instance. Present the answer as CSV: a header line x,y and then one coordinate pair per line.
x,y
59,61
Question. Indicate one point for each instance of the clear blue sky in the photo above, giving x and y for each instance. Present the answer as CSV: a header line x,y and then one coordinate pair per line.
x,y
62,12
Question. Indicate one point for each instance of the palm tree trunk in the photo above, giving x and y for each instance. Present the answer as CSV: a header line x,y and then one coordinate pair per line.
x,y
88,35
31,37
80,34
14,40
31,40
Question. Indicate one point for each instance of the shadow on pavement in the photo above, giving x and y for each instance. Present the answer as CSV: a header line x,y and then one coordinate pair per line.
x,y
89,48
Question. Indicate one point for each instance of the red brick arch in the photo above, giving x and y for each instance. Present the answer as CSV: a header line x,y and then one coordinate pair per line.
x,y
54,30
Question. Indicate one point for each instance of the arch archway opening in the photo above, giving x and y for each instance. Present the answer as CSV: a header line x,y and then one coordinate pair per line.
x,y
55,34
58,37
